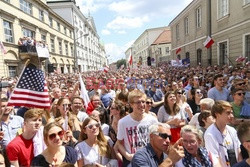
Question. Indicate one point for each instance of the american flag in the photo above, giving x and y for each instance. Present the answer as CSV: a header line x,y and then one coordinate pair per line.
x,y
31,89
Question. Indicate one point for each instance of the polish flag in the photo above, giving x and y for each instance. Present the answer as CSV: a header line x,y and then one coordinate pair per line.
x,y
240,59
209,42
106,69
178,51
130,58
2,48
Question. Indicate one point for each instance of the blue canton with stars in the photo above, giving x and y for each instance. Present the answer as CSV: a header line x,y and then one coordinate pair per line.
x,y
32,79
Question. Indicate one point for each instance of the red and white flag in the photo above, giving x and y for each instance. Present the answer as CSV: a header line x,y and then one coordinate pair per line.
x,y
240,59
130,59
84,93
106,69
31,89
178,51
2,48
209,42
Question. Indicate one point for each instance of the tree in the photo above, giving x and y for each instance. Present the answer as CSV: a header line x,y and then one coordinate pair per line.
x,y
121,62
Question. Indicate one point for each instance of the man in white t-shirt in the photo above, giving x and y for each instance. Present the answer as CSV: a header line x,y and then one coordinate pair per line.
x,y
133,132
220,139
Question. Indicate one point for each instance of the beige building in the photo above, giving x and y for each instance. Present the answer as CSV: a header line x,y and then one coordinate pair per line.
x,y
160,49
226,21
34,19
140,49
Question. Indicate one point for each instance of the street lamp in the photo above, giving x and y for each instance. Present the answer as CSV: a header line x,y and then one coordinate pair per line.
x,y
75,51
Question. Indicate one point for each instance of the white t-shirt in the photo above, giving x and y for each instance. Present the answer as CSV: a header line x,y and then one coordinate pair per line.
x,y
90,155
134,133
217,144
163,116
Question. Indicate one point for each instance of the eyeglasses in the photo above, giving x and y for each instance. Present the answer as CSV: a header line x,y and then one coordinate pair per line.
x,y
139,102
90,126
163,135
240,94
240,84
192,142
53,135
149,102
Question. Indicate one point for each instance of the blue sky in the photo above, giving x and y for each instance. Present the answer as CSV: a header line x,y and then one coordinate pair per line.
x,y
120,22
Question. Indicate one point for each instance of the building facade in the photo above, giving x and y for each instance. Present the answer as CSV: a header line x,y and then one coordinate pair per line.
x,y
34,19
227,22
89,52
140,49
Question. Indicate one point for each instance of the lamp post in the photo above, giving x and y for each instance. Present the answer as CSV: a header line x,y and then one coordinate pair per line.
x,y
75,51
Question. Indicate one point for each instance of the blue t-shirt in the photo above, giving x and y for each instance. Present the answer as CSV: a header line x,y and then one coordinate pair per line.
x,y
241,164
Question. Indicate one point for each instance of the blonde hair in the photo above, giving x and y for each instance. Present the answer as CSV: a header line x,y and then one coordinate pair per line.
x,y
192,129
102,143
219,106
33,113
135,93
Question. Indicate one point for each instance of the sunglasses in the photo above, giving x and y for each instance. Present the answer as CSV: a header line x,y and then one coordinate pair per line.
x,y
240,94
198,92
240,84
53,135
91,126
164,135
148,102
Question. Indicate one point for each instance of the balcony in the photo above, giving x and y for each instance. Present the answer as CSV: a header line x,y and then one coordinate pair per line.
x,y
33,52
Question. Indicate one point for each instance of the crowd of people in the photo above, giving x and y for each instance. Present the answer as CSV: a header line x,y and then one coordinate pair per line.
x,y
164,116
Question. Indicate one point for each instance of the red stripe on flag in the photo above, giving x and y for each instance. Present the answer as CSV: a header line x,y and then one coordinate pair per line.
x,y
30,94
32,100
29,105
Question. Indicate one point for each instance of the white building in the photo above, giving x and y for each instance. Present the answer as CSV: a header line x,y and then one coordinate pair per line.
x,y
89,53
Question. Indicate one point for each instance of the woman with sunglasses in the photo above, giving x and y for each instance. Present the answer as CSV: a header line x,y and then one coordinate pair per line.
x,y
181,102
149,103
170,113
94,148
55,153
63,110
194,102
195,154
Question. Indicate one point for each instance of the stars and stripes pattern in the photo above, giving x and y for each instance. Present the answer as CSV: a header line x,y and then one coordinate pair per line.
x,y
31,89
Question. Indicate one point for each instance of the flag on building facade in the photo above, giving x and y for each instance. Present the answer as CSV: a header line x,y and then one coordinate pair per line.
x,y
84,93
178,51
2,48
31,89
240,59
106,69
209,42
130,58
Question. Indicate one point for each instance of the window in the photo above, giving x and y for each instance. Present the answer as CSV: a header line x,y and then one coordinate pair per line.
x,y
70,33
58,26
167,51
41,15
223,8
65,30
199,56
246,2
26,6
8,32
28,33
177,32
187,55
43,37
247,47
7,1
50,22
12,71
223,53
52,45
60,47
186,25
66,49
198,17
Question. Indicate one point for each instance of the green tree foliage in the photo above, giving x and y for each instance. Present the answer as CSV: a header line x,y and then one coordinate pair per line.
x,y
121,62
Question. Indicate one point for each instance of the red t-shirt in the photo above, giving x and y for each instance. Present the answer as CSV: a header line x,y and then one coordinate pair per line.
x,y
21,150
